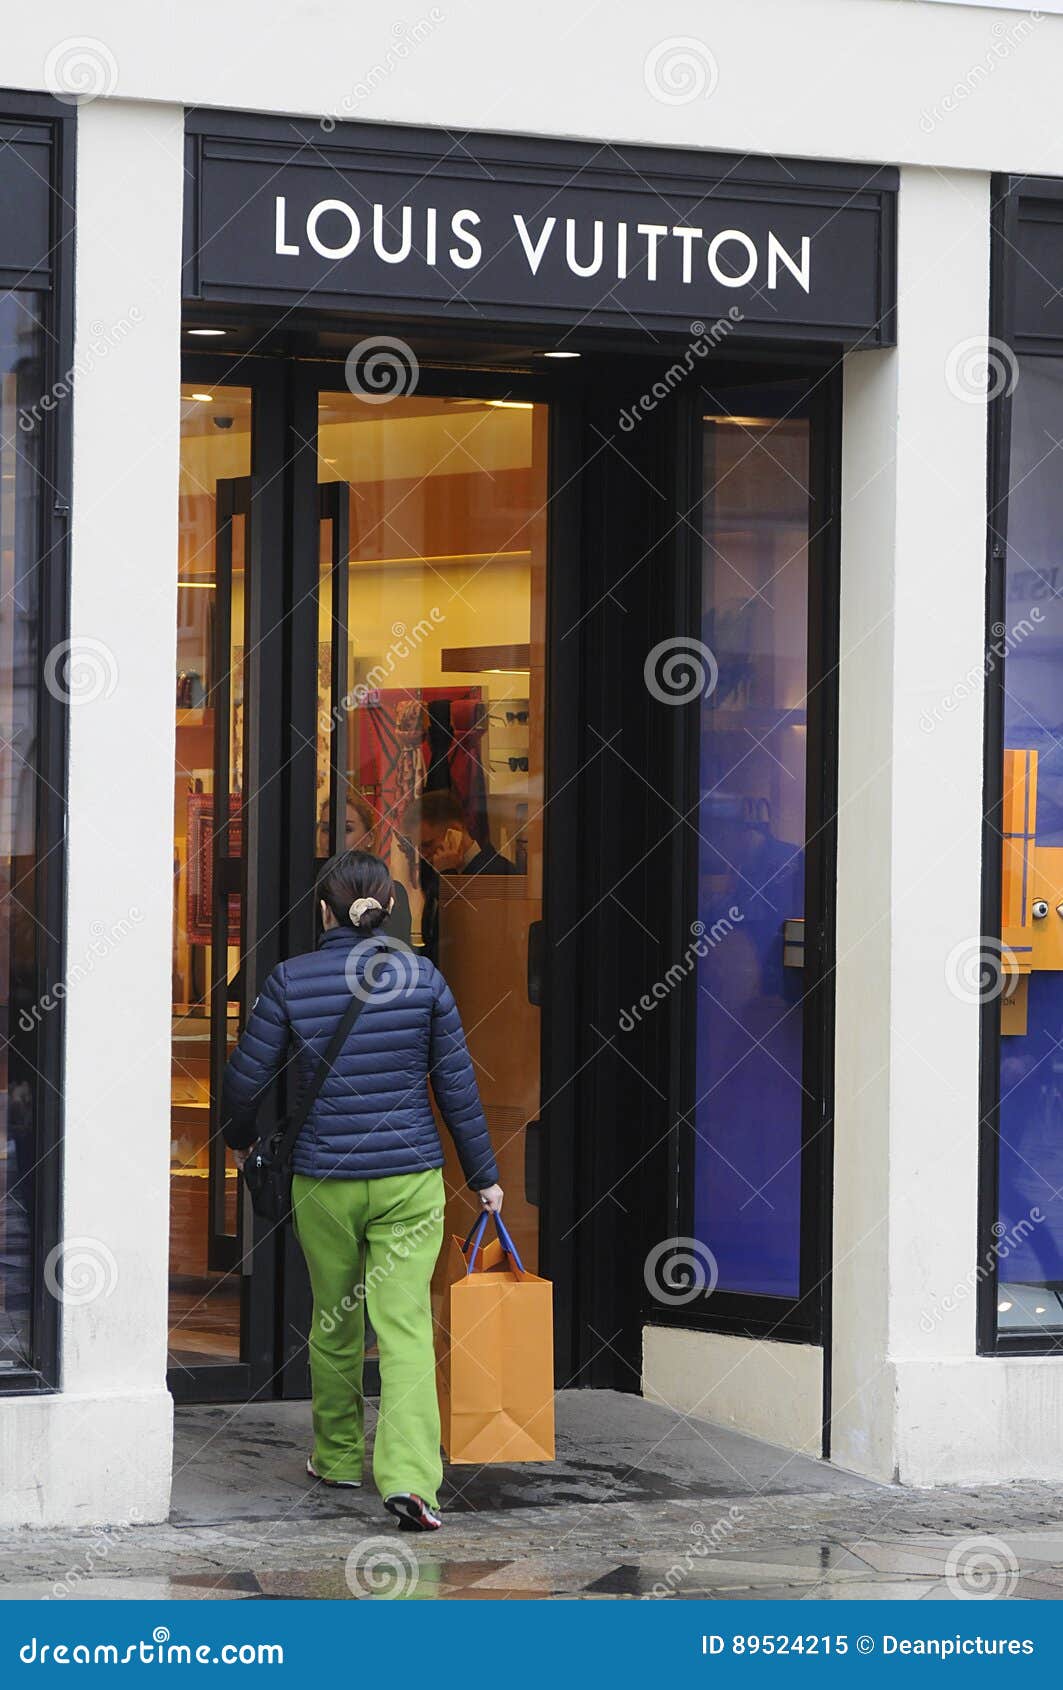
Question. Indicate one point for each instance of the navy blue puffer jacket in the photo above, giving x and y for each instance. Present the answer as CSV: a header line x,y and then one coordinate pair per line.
x,y
372,1117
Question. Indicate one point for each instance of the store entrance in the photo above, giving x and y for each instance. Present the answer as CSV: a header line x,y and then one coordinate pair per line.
x,y
371,671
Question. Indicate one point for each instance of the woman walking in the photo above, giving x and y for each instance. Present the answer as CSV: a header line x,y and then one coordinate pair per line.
x,y
367,1190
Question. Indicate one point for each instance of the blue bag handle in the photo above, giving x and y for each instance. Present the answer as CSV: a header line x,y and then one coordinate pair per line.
x,y
476,1237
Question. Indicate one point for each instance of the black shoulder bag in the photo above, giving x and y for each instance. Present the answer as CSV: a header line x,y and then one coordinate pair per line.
x,y
268,1169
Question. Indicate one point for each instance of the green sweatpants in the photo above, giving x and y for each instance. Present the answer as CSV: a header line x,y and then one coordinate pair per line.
x,y
371,1245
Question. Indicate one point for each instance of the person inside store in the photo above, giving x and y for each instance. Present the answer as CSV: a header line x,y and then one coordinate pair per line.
x,y
436,822
435,827
367,1170
361,834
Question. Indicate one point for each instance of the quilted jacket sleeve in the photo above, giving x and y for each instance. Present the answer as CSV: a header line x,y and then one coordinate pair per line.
x,y
255,1062
456,1091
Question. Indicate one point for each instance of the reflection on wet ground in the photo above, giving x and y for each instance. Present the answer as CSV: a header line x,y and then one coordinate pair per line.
x,y
640,1504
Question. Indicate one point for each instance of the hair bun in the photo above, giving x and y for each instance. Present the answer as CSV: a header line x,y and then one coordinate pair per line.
x,y
361,908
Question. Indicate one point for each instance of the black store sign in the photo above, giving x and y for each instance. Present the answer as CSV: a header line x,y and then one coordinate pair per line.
x,y
492,228
30,231
1028,262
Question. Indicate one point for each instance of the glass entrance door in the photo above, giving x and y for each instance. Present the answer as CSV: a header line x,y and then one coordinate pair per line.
x,y
430,699
207,1297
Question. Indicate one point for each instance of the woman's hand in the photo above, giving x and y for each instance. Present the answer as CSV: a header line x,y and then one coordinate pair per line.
x,y
491,1198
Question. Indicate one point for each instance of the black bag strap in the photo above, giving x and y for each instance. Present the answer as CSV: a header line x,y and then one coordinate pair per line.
x,y
317,1079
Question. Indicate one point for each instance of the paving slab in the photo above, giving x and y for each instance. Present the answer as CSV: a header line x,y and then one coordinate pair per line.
x,y
641,1503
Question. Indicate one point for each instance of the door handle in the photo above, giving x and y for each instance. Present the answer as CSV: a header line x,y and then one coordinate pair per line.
x,y
536,957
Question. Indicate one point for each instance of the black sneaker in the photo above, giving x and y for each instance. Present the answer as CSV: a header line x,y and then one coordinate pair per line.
x,y
335,1484
412,1512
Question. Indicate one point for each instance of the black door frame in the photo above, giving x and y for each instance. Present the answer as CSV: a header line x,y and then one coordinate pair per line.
x,y
253,1374
310,378
815,393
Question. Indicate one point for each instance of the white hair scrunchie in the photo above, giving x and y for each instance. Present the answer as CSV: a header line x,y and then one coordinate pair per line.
x,y
361,907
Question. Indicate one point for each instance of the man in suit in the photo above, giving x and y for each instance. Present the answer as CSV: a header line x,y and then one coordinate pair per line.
x,y
437,827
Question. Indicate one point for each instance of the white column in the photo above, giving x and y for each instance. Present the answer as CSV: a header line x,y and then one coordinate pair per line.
x,y
910,1396
101,1450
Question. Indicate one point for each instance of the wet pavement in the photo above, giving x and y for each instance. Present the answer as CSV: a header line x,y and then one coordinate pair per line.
x,y
641,1503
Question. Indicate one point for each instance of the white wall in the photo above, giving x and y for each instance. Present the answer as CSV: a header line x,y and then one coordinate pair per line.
x,y
911,1397
104,1446
864,79
773,1391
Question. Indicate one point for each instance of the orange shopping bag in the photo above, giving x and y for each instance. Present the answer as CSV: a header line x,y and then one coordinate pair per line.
x,y
496,1354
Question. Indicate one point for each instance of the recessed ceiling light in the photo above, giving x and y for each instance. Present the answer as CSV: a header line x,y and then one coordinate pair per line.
x,y
1040,1309
511,404
207,398
208,331
1003,1307
562,354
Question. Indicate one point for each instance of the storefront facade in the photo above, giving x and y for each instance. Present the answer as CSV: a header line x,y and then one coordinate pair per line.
x,y
629,494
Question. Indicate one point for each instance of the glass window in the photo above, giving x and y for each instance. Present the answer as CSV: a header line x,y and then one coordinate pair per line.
x,y
1028,1237
23,1007
748,1113
205,1279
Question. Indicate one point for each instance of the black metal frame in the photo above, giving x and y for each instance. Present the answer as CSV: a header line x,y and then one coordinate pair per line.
x,y
1006,326
265,510
43,1373
805,1319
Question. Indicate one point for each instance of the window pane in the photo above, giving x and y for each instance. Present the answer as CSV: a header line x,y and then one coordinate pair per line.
x,y
752,827
205,1285
1030,1224
21,1009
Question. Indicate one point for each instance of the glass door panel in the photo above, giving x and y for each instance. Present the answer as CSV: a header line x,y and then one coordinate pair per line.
x,y
430,709
205,1229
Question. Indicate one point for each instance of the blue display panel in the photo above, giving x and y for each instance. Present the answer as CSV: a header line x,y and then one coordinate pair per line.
x,y
748,1114
1028,1237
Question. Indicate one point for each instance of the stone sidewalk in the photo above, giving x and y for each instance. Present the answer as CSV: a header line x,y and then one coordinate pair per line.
x,y
640,1503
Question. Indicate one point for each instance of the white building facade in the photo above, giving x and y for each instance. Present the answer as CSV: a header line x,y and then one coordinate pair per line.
x,y
639,429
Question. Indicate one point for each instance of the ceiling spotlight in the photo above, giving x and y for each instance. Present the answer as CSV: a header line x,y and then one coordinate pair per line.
x,y
1003,1306
562,354
206,332
511,404
207,398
